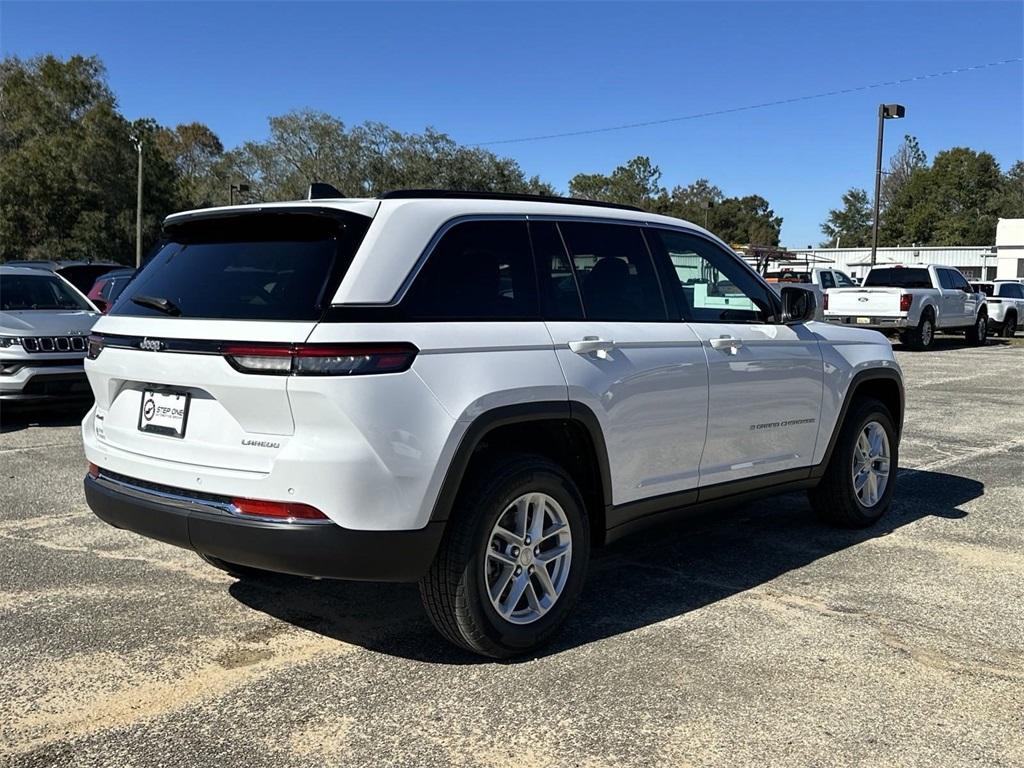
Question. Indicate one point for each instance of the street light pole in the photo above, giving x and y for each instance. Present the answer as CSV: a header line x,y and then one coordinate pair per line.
x,y
138,206
885,112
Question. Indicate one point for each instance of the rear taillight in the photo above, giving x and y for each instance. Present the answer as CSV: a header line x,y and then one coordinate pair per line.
x,y
95,346
319,359
824,301
278,510
905,301
94,471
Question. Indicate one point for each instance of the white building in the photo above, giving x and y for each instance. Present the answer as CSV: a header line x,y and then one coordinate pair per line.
x,y
1010,248
977,262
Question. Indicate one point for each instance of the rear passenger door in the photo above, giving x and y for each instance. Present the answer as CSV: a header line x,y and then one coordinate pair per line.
x,y
643,376
765,377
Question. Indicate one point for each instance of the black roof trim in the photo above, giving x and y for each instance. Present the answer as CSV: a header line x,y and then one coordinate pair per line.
x,y
451,194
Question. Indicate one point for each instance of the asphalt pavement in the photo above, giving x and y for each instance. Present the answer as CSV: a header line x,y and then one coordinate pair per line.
x,y
748,637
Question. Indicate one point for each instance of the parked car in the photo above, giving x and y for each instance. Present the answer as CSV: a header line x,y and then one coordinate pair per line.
x,y
1005,301
81,274
108,287
469,391
44,322
913,303
818,280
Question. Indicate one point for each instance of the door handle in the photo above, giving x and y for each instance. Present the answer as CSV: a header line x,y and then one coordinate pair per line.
x,y
727,342
588,344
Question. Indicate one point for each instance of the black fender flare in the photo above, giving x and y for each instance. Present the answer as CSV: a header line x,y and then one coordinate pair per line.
x,y
562,410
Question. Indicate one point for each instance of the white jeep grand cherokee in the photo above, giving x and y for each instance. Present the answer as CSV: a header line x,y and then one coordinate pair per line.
x,y
469,391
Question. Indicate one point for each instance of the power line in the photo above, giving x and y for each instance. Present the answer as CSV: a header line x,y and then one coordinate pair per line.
x,y
748,107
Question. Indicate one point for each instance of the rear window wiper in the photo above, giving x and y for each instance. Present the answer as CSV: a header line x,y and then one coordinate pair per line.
x,y
166,306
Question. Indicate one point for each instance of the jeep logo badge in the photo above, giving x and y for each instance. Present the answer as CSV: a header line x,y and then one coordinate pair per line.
x,y
153,345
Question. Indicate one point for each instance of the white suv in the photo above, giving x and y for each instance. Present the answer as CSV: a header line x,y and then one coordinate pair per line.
x,y
469,391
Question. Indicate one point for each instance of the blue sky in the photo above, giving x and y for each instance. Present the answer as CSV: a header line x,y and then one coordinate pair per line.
x,y
484,72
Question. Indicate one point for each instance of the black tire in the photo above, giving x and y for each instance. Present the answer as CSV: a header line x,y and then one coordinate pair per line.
x,y
243,572
454,590
977,334
923,336
1009,326
834,498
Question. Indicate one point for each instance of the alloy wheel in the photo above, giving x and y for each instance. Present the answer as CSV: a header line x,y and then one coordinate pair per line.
x,y
528,557
871,464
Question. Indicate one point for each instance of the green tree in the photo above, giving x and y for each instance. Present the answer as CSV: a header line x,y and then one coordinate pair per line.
x,y
747,220
368,159
695,202
1011,197
850,225
196,152
68,165
637,183
905,161
956,201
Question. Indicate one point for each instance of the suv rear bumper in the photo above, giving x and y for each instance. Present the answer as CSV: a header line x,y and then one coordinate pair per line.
x,y
320,550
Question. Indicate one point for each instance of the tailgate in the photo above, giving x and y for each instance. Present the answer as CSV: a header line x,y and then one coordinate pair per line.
x,y
172,367
864,301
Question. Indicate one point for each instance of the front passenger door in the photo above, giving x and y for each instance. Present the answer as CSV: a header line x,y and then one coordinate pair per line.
x,y
765,378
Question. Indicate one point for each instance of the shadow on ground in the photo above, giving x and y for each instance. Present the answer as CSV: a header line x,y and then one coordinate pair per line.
x,y
950,343
644,579
15,417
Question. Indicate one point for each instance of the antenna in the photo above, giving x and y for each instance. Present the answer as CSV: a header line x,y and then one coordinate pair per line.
x,y
318,190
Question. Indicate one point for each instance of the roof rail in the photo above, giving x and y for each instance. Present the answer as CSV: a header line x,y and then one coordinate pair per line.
x,y
452,194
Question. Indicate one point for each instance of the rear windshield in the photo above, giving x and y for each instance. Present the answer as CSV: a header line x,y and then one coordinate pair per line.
x,y
898,277
42,291
267,266
987,288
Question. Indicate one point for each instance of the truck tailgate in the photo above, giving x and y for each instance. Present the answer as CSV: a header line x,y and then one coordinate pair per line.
x,y
864,301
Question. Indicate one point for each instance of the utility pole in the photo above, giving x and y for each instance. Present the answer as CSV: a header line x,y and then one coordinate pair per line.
x,y
885,112
138,206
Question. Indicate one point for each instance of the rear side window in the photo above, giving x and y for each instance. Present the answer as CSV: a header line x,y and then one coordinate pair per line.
x,y
827,281
615,272
1010,291
478,270
898,277
279,266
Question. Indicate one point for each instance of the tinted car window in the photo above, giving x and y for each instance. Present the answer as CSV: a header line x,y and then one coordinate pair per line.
x,y
946,279
985,288
560,296
479,269
615,272
827,281
1010,290
42,291
844,281
898,277
714,286
959,281
266,267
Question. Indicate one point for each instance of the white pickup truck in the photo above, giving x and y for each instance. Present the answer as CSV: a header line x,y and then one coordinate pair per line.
x,y
913,303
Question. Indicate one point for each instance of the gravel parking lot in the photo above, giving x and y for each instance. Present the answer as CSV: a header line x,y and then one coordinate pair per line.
x,y
753,636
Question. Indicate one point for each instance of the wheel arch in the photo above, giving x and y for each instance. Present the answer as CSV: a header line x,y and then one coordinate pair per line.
x,y
882,384
566,432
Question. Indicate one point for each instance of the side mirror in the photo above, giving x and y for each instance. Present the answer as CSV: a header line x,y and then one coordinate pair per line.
x,y
798,305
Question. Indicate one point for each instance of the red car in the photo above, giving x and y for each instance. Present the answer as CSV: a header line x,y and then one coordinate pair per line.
x,y
108,287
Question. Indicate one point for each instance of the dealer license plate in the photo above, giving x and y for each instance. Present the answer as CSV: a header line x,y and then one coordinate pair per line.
x,y
163,412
